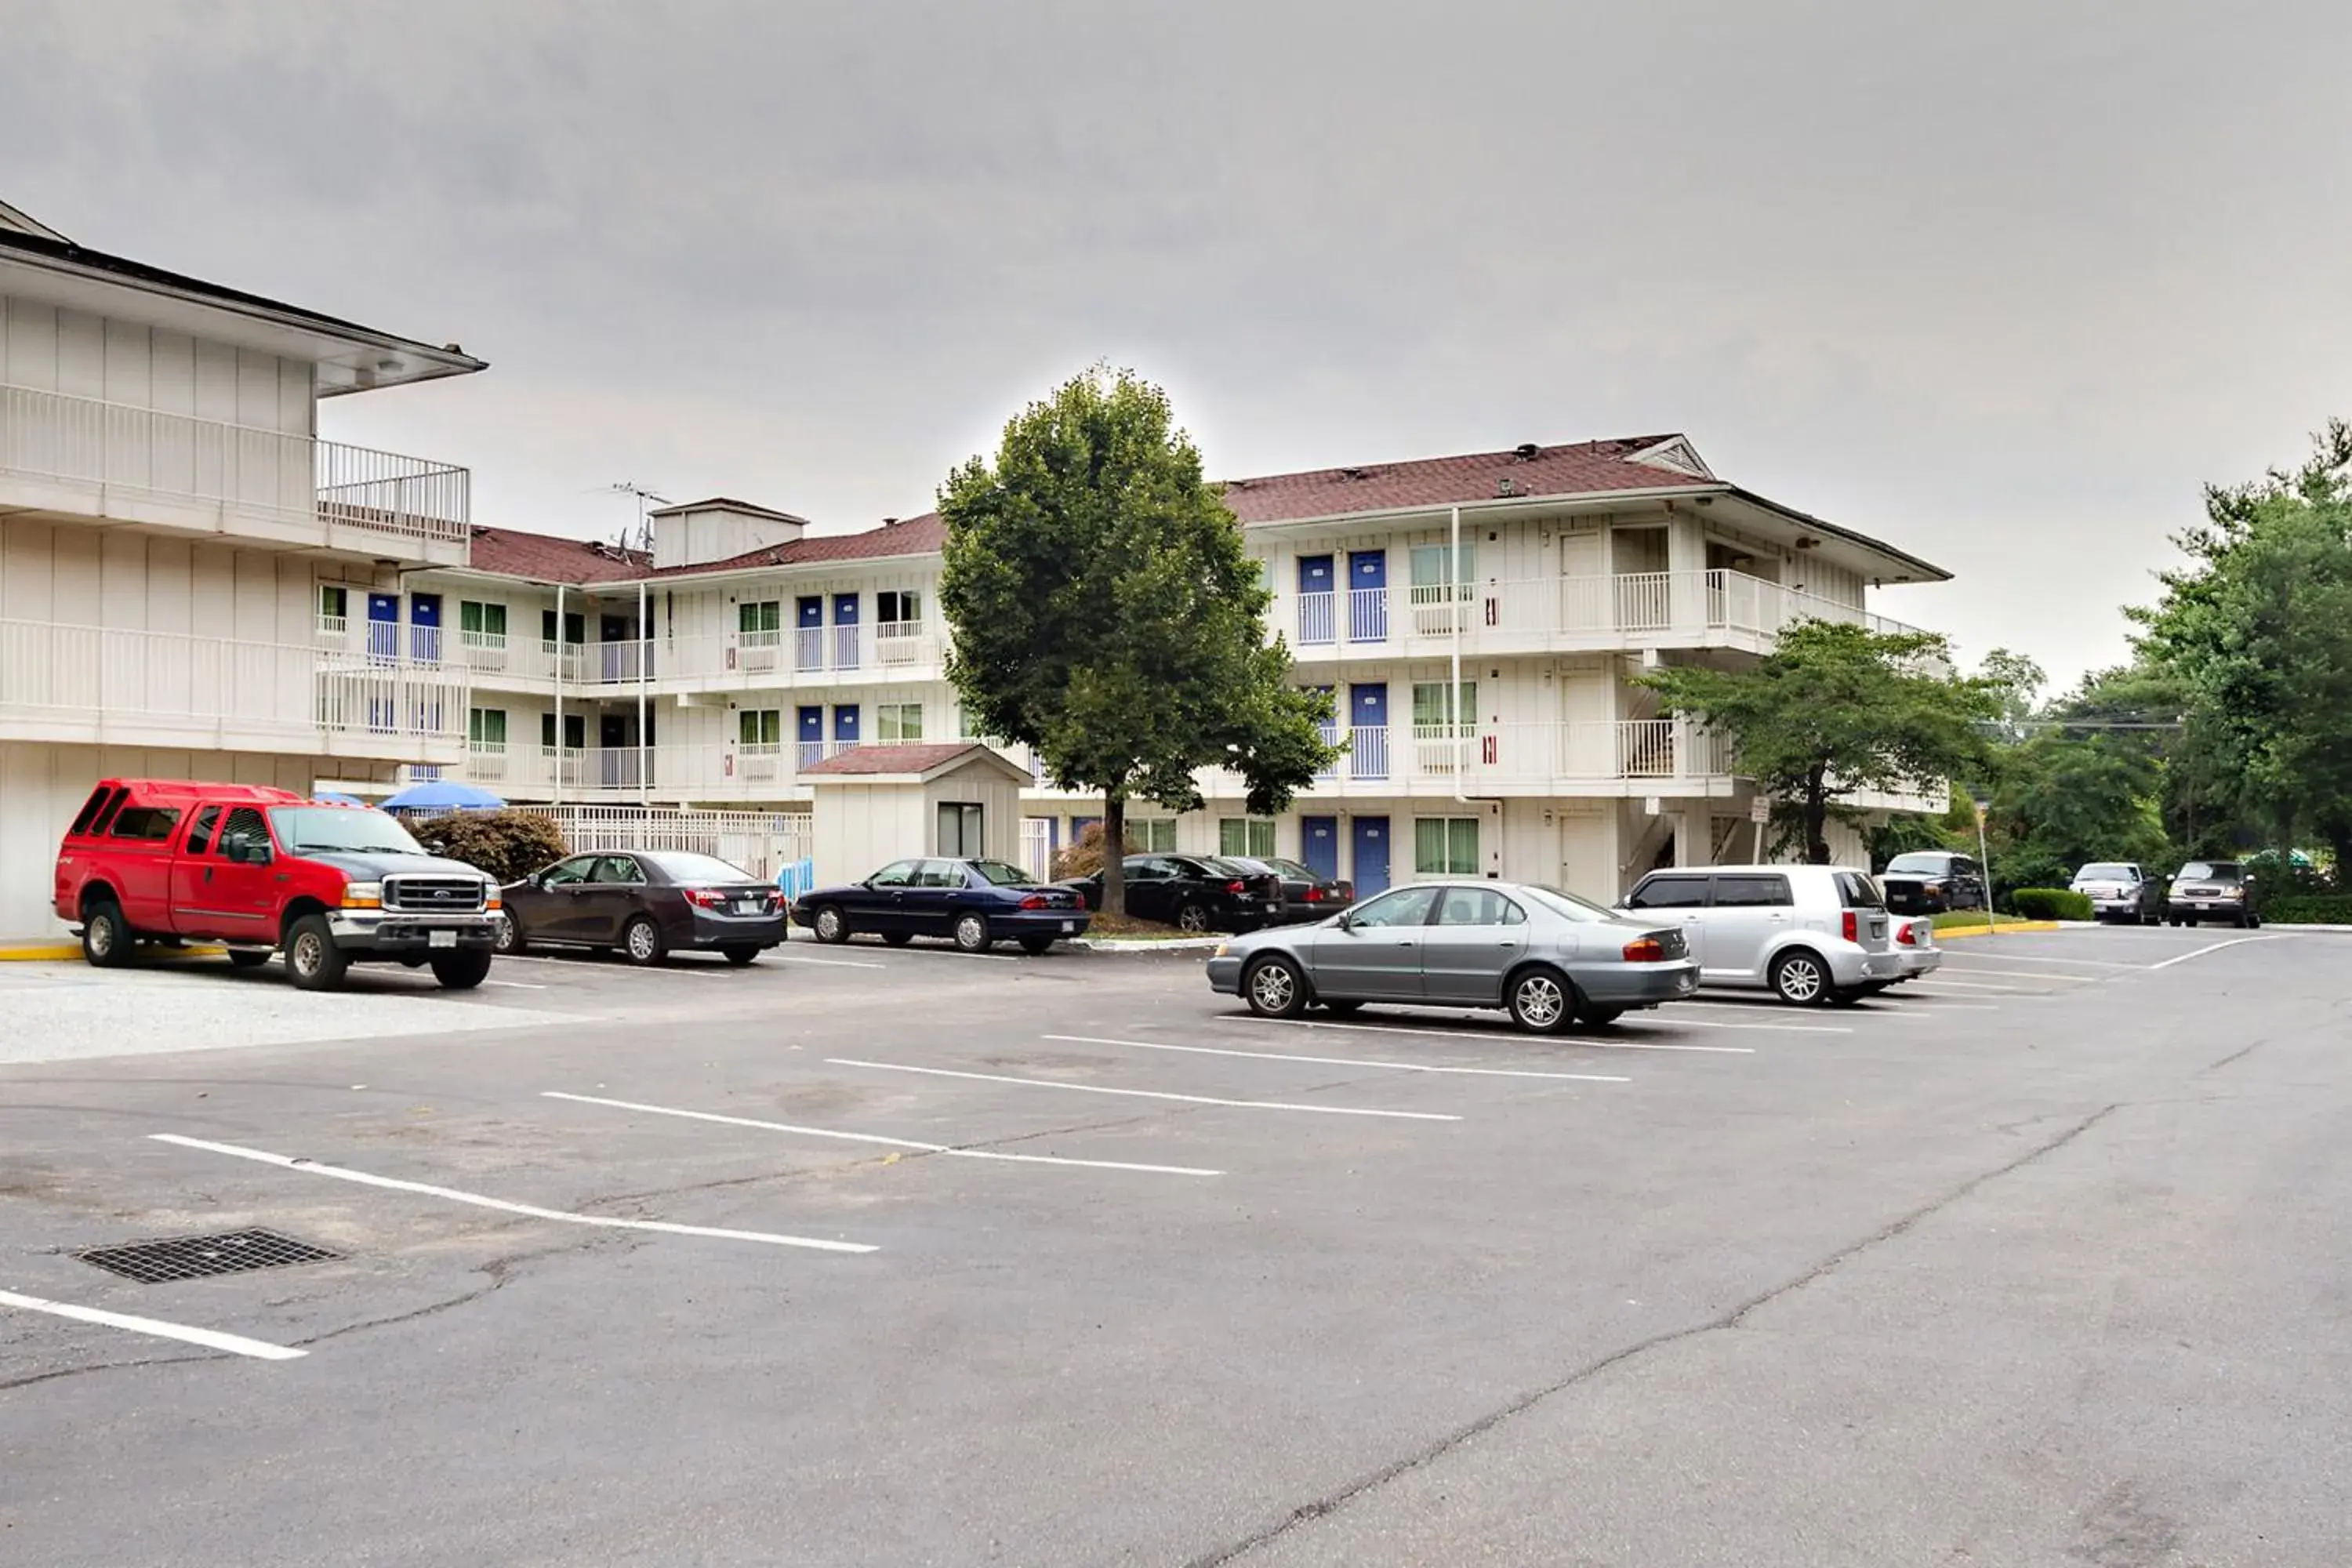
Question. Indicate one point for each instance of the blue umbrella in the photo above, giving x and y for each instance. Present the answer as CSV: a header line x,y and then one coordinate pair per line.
x,y
337,798
443,794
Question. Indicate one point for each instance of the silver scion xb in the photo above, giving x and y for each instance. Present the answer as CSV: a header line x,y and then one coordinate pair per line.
x,y
1811,934
1549,958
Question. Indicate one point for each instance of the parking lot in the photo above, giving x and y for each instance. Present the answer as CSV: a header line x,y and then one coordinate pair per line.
x,y
894,1256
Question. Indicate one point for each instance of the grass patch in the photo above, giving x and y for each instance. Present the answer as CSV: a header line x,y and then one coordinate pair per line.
x,y
1962,919
1127,928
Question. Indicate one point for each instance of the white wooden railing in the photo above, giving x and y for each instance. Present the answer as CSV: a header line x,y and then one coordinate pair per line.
x,y
1636,604
84,441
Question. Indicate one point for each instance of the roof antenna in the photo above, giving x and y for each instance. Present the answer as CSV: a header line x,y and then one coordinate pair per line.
x,y
643,539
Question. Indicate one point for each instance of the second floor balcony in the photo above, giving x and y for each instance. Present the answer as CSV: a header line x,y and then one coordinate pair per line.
x,y
80,456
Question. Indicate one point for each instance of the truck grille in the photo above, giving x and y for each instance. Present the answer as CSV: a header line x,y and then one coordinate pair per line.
x,y
433,895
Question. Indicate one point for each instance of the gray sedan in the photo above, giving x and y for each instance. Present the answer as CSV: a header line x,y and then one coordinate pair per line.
x,y
1547,957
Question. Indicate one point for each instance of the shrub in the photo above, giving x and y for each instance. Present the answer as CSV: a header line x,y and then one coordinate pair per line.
x,y
1084,858
510,845
2306,909
2051,904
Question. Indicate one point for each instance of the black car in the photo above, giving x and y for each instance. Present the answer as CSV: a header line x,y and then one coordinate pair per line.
x,y
1194,892
1930,881
1305,895
647,903
972,902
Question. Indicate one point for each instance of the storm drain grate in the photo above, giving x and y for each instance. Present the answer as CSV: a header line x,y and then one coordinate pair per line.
x,y
201,1257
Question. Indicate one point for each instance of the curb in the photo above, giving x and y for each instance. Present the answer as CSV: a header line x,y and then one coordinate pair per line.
x,y
71,953
2004,929
1148,945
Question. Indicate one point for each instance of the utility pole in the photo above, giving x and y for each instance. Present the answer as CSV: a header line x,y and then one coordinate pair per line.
x,y
642,539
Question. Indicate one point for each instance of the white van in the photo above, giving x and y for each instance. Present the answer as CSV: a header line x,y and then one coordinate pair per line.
x,y
1811,934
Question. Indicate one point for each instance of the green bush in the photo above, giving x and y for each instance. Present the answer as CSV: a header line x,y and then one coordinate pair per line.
x,y
2306,909
510,845
2049,904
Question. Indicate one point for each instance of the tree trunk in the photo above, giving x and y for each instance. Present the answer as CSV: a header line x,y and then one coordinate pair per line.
x,y
2339,845
1114,872
1817,816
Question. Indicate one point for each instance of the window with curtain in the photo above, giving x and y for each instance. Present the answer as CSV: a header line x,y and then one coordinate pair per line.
x,y
334,602
959,829
1435,708
575,628
1153,834
488,727
1445,846
894,605
1430,575
575,731
479,619
760,619
899,720
760,727
1250,836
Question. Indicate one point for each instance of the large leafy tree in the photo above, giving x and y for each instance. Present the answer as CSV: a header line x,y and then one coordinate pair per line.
x,y
2257,631
1105,615
1834,709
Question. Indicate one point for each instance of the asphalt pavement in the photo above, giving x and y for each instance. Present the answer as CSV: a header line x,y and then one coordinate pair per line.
x,y
875,1256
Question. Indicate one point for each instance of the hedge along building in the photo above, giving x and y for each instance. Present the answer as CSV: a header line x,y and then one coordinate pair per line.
x,y
173,533
1477,621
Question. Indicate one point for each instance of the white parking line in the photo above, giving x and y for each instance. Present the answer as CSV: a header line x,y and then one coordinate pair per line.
x,y
2234,942
1585,1040
515,984
530,1210
2007,957
2026,975
211,1339
1338,1061
1995,989
876,1138
827,962
1143,1093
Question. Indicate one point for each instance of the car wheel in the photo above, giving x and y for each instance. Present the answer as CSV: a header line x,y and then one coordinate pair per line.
x,y
1274,988
2176,922
246,958
1193,918
106,939
641,943
897,938
738,955
1801,978
2242,921
311,956
462,970
1033,945
972,933
510,939
831,925
1542,1001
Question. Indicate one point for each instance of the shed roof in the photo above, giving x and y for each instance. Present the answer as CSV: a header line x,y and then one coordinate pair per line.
x,y
914,762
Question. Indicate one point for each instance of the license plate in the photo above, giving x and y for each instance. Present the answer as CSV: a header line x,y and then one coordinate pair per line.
x,y
747,907
1069,925
1274,909
441,939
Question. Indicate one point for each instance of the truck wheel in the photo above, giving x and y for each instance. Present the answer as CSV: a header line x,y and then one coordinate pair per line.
x,y
462,970
106,940
510,937
311,956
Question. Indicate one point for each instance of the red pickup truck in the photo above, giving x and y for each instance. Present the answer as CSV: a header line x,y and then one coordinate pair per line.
x,y
263,869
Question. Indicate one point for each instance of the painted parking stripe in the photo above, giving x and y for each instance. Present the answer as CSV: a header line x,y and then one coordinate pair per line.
x,y
1338,1061
1143,1093
2234,942
532,1211
1579,1040
946,1149
1952,956
1994,988
211,1339
2028,974
828,963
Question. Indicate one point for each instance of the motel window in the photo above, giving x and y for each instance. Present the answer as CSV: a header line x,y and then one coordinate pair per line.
x,y
760,727
1250,836
899,720
1445,846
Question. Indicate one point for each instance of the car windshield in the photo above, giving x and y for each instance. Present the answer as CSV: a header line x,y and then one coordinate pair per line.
x,y
1293,868
2209,871
2105,872
997,873
685,866
1917,860
1218,866
303,829
1569,907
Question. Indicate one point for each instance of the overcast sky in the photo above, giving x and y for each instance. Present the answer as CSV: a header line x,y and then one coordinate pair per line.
x,y
2000,282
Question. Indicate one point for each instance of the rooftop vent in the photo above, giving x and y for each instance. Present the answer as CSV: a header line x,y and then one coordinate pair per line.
x,y
1351,473
1527,451
1506,488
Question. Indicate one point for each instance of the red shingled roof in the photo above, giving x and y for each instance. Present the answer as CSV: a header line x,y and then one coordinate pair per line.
x,y
891,759
916,536
547,558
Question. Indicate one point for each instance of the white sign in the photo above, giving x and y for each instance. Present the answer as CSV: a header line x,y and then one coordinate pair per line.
x,y
1759,810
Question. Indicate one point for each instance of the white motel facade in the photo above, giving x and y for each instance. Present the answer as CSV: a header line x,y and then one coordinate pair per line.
x,y
191,584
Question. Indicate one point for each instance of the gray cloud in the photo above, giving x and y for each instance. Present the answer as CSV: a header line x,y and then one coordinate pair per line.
x,y
2002,283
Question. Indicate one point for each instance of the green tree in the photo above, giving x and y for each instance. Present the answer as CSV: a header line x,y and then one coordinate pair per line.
x,y
1106,614
2257,630
1834,709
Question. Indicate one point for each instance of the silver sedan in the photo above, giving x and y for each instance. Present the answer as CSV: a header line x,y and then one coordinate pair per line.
x,y
1547,958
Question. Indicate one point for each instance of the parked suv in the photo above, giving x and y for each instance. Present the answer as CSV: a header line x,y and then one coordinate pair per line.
x,y
1930,881
2120,890
263,869
1811,934
2213,890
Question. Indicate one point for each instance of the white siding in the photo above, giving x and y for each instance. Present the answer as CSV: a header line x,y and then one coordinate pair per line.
x,y
54,349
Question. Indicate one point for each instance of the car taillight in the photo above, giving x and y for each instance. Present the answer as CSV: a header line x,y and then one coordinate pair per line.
x,y
1036,901
1645,950
704,899
1852,927
1313,895
1908,936
1237,886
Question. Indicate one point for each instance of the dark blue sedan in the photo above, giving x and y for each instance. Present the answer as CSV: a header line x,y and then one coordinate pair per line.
x,y
974,903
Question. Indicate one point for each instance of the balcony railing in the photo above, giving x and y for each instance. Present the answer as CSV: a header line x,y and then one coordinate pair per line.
x,y
1666,750
102,674
268,474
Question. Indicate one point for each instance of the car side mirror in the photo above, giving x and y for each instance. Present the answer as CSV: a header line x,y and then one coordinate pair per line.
x,y
257,855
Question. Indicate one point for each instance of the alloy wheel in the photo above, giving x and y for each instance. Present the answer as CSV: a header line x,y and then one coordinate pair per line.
x,y
1539,1001
1800,979
1273,988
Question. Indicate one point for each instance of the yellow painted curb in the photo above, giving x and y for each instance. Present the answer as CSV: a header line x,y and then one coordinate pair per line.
x,y
70,951
2005,928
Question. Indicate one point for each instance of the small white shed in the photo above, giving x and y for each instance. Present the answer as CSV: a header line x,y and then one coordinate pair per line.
x,y
873,805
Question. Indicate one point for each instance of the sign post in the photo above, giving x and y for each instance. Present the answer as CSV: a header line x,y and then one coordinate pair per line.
x,y
1760,812
1984,859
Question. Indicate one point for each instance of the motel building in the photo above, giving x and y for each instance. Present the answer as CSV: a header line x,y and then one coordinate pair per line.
x,y
708,675
175,542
